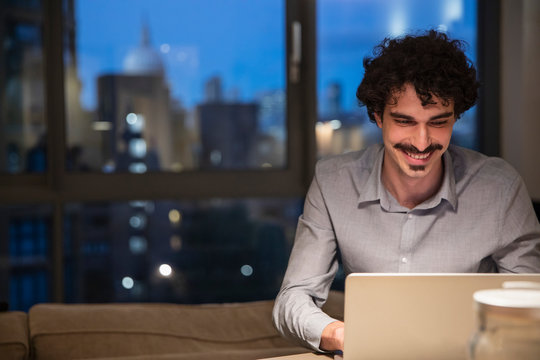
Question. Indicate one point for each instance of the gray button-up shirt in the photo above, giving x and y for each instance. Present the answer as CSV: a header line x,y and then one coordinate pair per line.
x,y
480,220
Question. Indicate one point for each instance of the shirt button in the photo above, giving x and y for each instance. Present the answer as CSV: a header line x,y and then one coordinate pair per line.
x,y
410,216
404,260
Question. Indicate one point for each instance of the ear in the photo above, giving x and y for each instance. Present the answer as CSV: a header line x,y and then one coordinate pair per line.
x,y
378,120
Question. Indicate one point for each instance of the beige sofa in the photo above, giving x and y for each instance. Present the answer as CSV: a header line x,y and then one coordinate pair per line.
x,y
147,331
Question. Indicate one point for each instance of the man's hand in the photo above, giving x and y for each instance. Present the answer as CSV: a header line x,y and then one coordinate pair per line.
x,y
333,336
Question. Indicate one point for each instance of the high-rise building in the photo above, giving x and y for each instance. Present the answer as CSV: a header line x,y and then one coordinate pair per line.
x,y
22,102
143,122
213,90
228,135
334,99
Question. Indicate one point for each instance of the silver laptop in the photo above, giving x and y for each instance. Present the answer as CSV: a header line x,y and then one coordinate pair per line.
x,y
414,316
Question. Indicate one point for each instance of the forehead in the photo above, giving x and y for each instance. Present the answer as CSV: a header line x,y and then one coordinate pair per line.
x,y
407,98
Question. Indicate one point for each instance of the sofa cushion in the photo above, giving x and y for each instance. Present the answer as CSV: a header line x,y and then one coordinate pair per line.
x,y
59,331
14,335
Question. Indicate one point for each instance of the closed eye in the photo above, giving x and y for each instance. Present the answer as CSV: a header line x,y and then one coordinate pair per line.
x,y
404,122
439,123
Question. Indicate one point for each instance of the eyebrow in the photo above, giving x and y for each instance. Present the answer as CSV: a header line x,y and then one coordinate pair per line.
x,y
408,117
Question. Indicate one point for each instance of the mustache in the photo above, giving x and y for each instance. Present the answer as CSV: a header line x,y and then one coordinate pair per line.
x,y
414,150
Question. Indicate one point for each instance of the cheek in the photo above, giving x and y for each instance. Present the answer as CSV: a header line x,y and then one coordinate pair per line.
x,y
395,135
443,136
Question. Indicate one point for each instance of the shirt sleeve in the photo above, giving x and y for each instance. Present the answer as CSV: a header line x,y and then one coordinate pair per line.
x,y
312,266
520,232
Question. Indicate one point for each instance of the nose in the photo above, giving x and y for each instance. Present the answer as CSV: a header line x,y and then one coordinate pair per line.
x,y
422,138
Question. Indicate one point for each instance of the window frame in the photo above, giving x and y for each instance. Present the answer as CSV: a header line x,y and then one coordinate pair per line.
x,y
57,186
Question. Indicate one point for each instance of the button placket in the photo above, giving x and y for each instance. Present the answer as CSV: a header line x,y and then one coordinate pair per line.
x,y
407,234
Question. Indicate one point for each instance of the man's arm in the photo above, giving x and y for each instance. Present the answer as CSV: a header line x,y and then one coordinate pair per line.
x,y
520,232
312,266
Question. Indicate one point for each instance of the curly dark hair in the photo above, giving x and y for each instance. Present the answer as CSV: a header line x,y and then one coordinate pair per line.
x,y
431,62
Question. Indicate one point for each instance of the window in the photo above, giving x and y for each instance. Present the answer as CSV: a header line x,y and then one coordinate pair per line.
x,y
177,136
202,251
22,122
347,31
160,106
26,251
177,86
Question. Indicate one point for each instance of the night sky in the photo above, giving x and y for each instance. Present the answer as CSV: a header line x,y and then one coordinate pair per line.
x,y
243,41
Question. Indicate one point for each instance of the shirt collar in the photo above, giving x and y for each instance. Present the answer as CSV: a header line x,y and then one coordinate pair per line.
x,y
374,190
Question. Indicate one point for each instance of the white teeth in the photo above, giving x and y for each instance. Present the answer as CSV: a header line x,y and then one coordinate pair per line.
x,y
419,156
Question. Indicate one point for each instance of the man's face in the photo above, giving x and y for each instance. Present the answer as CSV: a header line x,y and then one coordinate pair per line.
x,y
415,136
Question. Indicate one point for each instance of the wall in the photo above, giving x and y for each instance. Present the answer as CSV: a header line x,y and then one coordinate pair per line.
x,y
520,93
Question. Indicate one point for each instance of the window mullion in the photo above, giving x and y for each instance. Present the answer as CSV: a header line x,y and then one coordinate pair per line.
x,y
55,117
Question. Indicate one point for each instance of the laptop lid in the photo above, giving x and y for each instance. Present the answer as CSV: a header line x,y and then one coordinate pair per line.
x,y
414,316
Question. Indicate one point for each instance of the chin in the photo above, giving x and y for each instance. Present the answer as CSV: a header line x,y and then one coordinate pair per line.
x,y
417,168
415,171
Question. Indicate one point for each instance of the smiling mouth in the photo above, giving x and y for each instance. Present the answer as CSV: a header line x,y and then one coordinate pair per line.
x,y
416,155
422,156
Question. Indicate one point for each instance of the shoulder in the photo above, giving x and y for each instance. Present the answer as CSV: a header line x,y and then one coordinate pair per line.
x,y
470,165
344,177
356,161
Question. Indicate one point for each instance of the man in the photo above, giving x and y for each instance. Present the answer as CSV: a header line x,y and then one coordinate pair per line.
x,y
413,204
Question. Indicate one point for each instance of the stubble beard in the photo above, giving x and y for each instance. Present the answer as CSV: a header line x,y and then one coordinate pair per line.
x,y
417,168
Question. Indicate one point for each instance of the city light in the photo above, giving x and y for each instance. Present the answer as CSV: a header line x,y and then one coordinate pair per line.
x,y
335,124
102,125
165,270
452,11
137,221
131,119
175,217
137,244
109,167
128,282
138,203
137,168
165,48
177,167
398,20
442,28
135,122
176,243
215,157
246,270
137,148
323,135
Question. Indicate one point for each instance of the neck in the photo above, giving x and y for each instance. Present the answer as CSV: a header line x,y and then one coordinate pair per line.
x,y
411,191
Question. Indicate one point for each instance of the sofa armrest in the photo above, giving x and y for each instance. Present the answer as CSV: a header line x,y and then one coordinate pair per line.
x,y
14,336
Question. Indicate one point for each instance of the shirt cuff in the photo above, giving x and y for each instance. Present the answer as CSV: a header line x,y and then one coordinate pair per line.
x,y
316,325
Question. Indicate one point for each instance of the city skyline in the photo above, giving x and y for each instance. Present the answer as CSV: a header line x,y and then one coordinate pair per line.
x,y
187,57
245,46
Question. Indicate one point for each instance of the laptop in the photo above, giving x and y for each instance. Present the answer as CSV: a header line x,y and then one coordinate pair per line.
x,y
415,316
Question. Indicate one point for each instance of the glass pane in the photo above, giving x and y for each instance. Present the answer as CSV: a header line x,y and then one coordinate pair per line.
x,y
175,85
347,31
24,257
185,252
22,124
